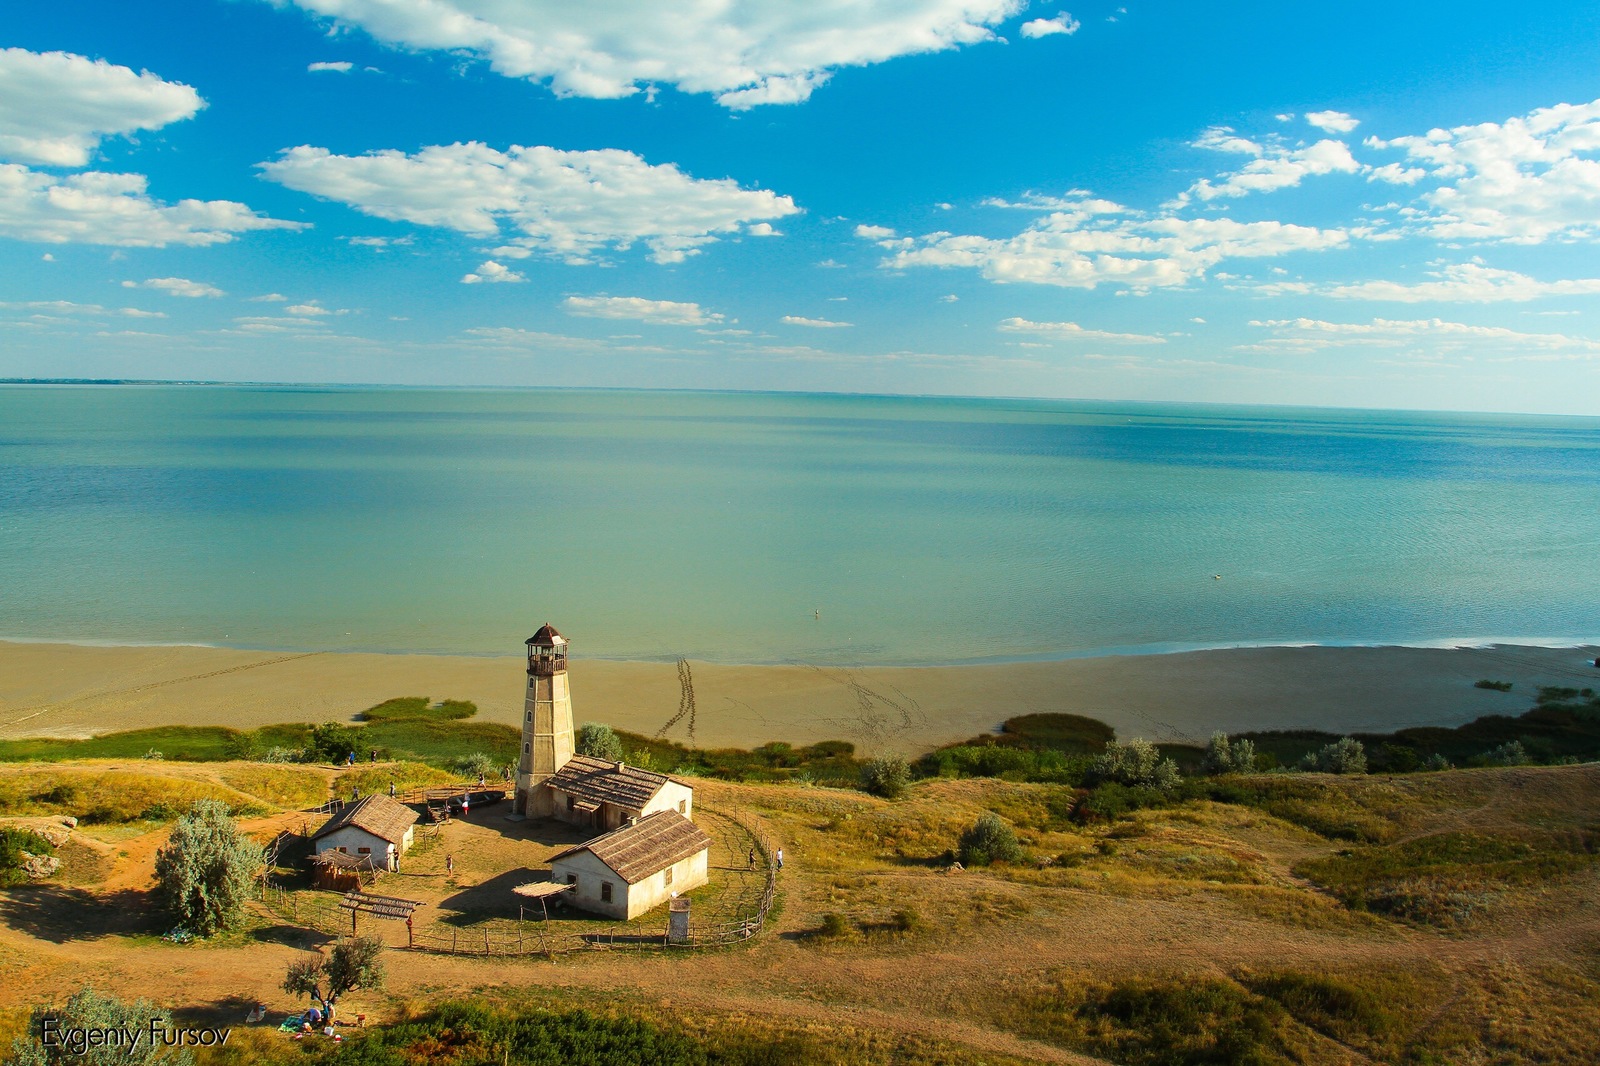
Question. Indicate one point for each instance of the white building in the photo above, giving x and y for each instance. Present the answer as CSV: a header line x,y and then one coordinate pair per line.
x,y
376,827
608,795
636,868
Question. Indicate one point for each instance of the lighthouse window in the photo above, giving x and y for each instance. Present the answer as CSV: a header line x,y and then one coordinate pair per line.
x,y
526,748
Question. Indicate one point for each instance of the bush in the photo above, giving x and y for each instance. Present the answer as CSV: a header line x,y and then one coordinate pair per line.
x,y
304,977
1343,756
277,754
886,776
599,741
906,920
89,1010
1136,764
1229,757
833,925
332,742
355,962
475,764
1436,762
1498,686
989,840
206,871
15,846
1511,753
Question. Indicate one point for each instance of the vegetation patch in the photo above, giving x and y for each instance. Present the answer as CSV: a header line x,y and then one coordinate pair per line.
x,y
16,847
419,708
1447,880
111,797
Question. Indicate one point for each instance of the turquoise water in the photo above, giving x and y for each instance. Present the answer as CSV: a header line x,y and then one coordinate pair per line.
x,y
716,526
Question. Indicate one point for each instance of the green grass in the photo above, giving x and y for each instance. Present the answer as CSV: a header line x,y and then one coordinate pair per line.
x,y
415,708
112,796
1447,880
830,762
13,842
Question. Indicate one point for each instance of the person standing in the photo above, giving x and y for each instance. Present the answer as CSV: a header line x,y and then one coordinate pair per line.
x,y
449,865
780,858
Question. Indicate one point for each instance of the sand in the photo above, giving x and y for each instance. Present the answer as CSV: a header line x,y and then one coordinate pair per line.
x,y
73,690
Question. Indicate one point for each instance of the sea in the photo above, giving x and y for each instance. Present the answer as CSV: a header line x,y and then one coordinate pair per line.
x,y
776,528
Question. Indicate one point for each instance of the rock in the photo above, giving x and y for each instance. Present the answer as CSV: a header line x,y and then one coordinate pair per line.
x,y
70,822
39,867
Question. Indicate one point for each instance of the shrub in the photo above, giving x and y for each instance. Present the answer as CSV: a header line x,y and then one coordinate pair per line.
x,y
278,754
355,962
1498,686
15,846
89,1010
205,872
1343,756
833,925
332,742
886,776
475,764
1137,764
989,840
1229,757
1436,762
599,741
906,920
304,977
1511,753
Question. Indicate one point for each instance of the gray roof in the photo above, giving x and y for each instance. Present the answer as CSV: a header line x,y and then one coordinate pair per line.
x,y
646,847
379,815
599,781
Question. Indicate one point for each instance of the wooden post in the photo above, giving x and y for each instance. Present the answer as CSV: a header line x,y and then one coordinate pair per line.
x,y
409,941
352,921
453,934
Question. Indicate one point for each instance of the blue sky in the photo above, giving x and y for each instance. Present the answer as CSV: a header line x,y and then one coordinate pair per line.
x,y
1378,205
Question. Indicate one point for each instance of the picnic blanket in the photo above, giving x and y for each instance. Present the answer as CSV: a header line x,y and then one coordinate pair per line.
x,y
292,1023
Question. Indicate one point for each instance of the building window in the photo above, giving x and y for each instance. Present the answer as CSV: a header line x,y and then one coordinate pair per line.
x,y
572,879
605,891
683,806
342,851
364,851
667,876
572,803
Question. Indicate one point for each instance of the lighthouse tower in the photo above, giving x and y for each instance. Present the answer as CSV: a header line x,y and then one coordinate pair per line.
x,y
547,738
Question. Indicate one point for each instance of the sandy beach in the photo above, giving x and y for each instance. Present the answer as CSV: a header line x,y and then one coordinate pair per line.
x,y
73,690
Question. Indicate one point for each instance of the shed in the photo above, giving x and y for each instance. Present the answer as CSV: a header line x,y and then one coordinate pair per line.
x,y
375,826
607,795
636,868
341,871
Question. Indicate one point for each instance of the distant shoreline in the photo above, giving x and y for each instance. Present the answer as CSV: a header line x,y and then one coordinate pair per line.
x,y
53,689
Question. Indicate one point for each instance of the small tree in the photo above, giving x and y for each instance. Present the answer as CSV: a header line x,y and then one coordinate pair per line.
x,y
331,742
1511,753
1344,756
1436,762
205,872
89,1010
475,765
886,776
304,977
989,840
1137,764
1224,756
355,962
599,741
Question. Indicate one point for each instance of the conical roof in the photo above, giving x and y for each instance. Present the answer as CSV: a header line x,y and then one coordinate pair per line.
x,y
547,637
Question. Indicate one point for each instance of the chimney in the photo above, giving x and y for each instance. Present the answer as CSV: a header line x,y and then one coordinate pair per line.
x,y
618,767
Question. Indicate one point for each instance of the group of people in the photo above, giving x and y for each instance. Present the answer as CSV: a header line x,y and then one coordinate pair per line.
x,y
320,1015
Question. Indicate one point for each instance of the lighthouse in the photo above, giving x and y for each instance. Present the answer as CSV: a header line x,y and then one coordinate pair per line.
x,y
547,734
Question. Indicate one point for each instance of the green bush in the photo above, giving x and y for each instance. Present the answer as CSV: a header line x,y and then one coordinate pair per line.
x,y
89,1010
1137,764
355,962
1498,686
599,741
886,776
1344,756
989,840
1511,753
475,764
833,925
13,843
1224,756
207,869
332,742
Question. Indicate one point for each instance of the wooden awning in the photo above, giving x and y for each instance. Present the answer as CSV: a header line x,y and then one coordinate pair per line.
x,y
541,889
382,906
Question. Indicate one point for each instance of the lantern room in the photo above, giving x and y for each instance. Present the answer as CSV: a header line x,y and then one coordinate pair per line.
x,y
547,652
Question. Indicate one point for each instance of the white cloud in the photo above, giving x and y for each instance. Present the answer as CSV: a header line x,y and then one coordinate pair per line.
x,y
1332,121
762,229
1395,174
1276,166
1305,335
1525,180
115,209
491,271
571,205
637,309
949,298
1098,242
176,287
58,309
380,243
338,67
56,107
813,323
271,297
874,233
1073,331
313,309
1062,23
744,52
1465,282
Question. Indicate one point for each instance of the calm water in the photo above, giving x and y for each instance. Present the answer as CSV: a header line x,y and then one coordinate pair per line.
x,y
715,526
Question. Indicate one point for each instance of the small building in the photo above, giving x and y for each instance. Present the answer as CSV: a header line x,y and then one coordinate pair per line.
x,y
608,795
374,826
632,870
340,871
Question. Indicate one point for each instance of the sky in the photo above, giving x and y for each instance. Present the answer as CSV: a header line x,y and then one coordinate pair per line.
x,y
1391,205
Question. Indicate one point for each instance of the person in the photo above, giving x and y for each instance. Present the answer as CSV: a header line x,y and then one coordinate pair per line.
x,y
752,858
313,1017
780,858
328,1008
374,754
480,778
391,788
350,760
466,804
355,794
449,864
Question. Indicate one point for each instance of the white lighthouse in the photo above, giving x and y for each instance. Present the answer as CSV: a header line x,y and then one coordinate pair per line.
x,y
547,733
